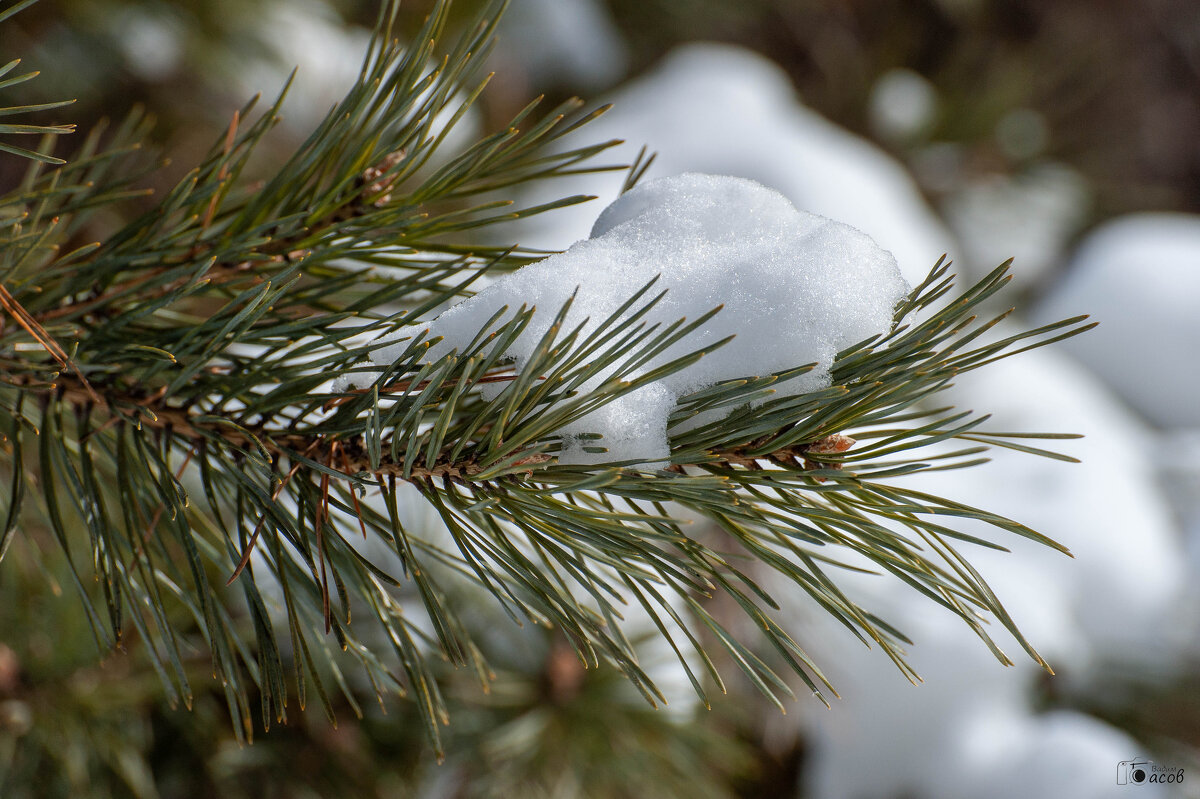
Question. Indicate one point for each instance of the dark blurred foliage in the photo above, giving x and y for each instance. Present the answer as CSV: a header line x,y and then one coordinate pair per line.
x,y
76,723
1117,83
1118,86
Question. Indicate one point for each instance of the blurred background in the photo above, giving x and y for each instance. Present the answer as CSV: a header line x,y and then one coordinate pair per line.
x,y
1063,134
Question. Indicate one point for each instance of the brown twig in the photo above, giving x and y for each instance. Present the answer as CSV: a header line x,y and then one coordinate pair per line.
x,y
245,559
39,333
217,274
350,457
373,192
808,454
278,443
322,513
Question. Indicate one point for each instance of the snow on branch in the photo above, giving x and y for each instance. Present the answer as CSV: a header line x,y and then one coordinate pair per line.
x,y
793,288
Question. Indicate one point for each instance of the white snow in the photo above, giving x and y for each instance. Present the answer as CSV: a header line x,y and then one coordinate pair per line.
x,y
1063,754
1139,276
726,110
795,287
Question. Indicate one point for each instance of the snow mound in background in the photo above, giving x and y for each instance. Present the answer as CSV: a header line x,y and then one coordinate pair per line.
x,y
971,730
796,288
1139,276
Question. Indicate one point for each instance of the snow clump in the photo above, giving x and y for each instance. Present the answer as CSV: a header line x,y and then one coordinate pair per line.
x,y
796,288
727,110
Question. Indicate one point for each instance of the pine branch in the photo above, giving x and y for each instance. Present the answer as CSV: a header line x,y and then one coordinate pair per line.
x,y
183,433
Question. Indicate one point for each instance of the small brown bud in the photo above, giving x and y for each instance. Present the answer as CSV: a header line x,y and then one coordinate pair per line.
x,y
377,178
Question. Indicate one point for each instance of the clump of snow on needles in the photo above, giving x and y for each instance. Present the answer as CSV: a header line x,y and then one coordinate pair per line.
x,y
796,288
727,110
